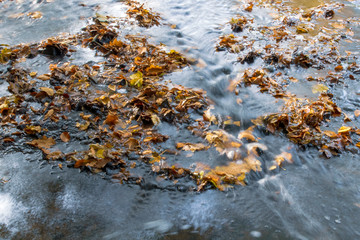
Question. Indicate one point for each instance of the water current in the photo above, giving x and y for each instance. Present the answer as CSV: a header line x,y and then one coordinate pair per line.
x,y
314,198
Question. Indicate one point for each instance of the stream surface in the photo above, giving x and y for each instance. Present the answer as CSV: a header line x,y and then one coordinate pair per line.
x,y
314,198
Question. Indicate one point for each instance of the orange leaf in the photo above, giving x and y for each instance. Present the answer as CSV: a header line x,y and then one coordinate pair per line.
x,y
357,113
111,119
330,134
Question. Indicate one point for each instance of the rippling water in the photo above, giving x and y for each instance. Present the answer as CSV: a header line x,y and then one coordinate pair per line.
x,y
312,199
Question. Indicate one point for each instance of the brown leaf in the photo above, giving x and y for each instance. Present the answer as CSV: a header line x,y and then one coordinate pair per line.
x,y
49,91
32,129
49,114
43,142
111,119
191,146
65,137
44,77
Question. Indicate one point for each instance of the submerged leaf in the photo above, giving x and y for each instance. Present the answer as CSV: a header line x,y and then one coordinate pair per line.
x,y
319,88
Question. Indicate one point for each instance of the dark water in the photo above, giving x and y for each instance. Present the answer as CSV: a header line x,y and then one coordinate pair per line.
x,y
311,199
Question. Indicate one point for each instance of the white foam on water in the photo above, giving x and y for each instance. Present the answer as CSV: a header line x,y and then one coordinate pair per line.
x,y
6,208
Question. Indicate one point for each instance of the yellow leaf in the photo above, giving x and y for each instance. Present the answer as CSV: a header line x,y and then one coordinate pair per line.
x,y
33,74
273,167
136,79
358,144
84,126
248,135
155,119
319,88
344,129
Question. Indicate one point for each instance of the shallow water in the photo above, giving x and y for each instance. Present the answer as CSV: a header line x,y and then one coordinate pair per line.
x,y
311,199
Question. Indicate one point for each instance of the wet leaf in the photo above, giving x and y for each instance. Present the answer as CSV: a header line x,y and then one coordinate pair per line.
x,y
84,126
56,155
357,113
43,142
339,68
5,55
65,137
154,70
35,14
319,88
330,134
33,74
111,119
344,129
44,77
49,114
32,129
136,79
191,146
155,119
49,91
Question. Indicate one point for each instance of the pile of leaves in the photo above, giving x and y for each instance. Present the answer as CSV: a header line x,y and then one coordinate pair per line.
x,y
294,40
104,117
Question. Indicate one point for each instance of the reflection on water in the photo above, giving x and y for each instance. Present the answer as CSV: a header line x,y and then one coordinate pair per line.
x,y
312,199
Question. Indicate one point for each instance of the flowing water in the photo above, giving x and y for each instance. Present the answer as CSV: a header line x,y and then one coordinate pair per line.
x,y
313,198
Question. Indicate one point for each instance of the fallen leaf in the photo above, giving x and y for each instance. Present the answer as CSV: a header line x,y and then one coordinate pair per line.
x,y
49,91
344,129
43,142
32,129
44,77
357,113
49,114
339,68
330,134
65,137
155,119
136,79
35,15
319,88
191,146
